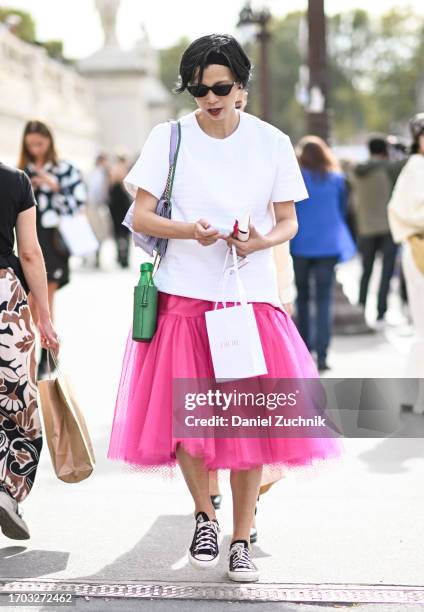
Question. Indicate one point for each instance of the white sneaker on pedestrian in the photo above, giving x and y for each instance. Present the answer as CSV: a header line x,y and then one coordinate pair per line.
x,y
11,522
204,552
418,409
241,567
380,325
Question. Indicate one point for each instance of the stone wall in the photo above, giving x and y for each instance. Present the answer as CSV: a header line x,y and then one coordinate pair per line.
x,y
34,86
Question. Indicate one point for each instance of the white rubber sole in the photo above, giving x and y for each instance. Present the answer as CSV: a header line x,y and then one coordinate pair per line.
x,y
202,564
243,576
11,524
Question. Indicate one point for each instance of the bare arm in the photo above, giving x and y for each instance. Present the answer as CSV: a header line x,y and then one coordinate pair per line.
x,y
285,275
32,262
286,225
148,222
285,229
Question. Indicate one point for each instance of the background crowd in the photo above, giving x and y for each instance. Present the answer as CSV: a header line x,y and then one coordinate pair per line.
x,y
346,215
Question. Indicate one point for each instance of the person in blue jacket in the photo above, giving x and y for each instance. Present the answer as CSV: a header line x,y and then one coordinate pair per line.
x,y
322,241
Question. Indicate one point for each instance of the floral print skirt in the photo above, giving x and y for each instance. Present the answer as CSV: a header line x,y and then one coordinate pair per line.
x,y
20,427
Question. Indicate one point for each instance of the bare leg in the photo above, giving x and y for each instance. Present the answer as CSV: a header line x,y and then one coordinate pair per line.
x,y
245,488
197,479
52,288
214,483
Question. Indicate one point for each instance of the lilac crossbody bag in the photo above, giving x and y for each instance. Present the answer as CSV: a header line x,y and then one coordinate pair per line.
x,y
153,244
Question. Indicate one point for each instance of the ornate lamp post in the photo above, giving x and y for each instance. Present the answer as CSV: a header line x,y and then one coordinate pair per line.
x,y
259,20
312,88
318,71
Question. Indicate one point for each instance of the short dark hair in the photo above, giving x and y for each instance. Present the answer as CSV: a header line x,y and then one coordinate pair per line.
x,y
377,145
204,51
416,125
415,146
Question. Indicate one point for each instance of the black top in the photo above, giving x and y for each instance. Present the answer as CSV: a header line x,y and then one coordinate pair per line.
x,y
16,195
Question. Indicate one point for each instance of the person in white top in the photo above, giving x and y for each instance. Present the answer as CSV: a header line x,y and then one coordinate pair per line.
x,y
406,219
287,293
230,164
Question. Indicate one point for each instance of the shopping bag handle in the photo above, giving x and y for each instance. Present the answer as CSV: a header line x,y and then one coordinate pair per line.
x,y
52,356
226,275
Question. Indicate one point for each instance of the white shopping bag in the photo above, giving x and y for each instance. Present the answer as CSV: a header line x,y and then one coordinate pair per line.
x,y
78,235
234,338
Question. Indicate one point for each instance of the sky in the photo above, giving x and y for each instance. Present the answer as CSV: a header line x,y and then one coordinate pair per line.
x,y
77,24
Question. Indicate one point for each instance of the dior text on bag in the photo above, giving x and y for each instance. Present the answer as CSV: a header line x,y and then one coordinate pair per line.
x,y
233,334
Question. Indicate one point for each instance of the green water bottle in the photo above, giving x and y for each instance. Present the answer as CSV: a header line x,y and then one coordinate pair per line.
x,y
145,305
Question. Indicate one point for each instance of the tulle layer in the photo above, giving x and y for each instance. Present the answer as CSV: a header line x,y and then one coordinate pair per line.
x,y
142,427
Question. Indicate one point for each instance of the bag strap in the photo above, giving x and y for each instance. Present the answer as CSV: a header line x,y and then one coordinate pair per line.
x,y
174,148
226,275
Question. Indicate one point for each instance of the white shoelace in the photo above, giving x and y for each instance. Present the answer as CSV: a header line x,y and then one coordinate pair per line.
x,y
241,556
206,536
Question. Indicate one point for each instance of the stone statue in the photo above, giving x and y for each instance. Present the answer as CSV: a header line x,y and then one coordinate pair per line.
x,y
108,10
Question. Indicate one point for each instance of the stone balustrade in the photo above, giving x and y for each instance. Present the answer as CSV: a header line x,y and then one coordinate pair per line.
x,y
33,85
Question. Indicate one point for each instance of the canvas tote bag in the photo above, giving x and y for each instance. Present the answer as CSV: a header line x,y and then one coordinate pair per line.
x,y
65,429
233,334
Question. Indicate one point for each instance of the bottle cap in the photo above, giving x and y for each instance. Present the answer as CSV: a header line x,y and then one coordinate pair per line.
x,y
146,267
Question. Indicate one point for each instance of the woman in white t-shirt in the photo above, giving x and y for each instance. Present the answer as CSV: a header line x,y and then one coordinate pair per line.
x,y
229,163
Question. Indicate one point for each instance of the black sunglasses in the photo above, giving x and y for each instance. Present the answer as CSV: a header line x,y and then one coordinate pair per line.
x,y
200,91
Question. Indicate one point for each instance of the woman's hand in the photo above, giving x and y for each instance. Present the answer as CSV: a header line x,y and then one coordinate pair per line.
x,y
48,336
288,308
256,242
205,234
45,178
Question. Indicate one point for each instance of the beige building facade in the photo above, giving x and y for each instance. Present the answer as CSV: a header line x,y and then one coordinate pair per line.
x,y
108,102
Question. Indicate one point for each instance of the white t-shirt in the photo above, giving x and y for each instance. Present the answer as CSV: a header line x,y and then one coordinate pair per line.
x,y
220,180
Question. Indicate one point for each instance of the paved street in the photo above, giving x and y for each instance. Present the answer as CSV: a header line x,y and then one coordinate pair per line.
x,y
359,521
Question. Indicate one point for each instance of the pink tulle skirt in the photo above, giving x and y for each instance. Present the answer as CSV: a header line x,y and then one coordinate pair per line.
x,y
142,426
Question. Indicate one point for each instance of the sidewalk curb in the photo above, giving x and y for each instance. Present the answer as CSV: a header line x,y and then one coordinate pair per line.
x,y
306,593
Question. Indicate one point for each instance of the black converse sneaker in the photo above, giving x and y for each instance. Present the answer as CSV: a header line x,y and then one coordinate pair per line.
x,y
204,547
11,522
242,568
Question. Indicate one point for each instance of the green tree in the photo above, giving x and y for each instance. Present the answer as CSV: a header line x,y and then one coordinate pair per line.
x,y
351,39
284,59
169,65
376,65
54,48
26,28
398,69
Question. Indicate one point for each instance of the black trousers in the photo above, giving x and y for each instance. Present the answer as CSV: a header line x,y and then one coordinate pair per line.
x,y
369,247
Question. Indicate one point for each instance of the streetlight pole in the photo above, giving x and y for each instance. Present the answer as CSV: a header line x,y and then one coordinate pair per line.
x,y
317,111
265,85
260,19
348,318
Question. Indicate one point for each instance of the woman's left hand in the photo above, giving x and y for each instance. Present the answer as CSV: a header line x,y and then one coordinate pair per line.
x,y
256,242
45,178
